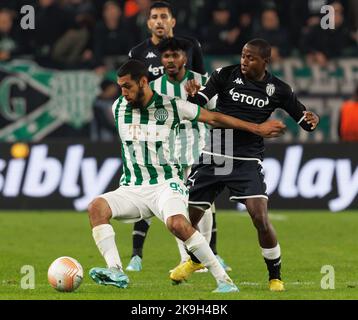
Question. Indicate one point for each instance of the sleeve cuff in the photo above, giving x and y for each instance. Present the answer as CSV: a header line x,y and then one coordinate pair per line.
x,y
204,96
299,121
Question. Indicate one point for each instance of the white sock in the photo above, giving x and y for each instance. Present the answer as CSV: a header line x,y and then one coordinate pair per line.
x,y
183,254
200,248
206,224
271,253
104,235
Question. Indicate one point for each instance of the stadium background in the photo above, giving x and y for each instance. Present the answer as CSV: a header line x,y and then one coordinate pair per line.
x,y
58,148
57,86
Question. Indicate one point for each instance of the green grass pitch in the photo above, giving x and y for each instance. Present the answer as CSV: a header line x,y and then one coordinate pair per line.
x,y
309,240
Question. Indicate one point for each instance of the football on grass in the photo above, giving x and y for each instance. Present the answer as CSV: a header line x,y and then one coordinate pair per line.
x,y
65,274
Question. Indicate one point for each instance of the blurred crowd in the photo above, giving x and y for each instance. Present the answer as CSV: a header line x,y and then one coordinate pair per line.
x,y
77,34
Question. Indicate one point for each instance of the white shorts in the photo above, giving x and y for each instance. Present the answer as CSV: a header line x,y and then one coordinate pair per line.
x,y
133,203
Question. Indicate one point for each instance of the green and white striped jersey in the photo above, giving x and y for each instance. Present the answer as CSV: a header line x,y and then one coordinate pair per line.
x,y
191,135
147,135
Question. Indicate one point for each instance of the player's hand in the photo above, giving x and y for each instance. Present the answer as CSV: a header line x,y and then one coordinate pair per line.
x,y
311,118
271,129
192,87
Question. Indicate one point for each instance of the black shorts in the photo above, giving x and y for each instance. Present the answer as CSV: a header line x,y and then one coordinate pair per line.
x,y
245,180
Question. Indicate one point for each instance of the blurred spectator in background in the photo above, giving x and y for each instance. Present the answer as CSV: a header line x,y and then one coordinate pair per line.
x,y
113,35
273,33
103,126
353,22
66,35
99,4
348,128
242,19
72,50
130,8
220,36
353,14
245,26
139,20
9,4
11,43
320,45
52,23
190,16
303,15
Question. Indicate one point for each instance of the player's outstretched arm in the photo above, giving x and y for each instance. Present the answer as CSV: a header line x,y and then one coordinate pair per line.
x,y
267,129
308,120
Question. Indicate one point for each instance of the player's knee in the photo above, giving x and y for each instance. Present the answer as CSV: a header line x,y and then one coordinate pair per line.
x,y
98,211
178,225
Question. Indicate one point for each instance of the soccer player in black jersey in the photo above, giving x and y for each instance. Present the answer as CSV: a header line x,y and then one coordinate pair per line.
x,y
249,92
161,23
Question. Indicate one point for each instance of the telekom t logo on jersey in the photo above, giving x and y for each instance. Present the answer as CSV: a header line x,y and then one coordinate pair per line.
x,y
151,132
134,130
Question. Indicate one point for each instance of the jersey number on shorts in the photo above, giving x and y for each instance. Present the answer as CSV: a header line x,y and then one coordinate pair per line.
x,y
176,188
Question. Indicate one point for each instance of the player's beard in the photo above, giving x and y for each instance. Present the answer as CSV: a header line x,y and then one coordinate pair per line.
x,y
138,101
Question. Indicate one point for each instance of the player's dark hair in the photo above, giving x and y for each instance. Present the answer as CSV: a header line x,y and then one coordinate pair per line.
x,y
161,4
173,44
135,68
263,46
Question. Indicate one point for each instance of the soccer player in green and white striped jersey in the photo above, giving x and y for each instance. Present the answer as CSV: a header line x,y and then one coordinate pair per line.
x,y
188,145
192,135
151,183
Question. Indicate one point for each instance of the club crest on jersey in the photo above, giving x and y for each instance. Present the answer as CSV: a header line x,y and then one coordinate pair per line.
x,y
161,114
270,89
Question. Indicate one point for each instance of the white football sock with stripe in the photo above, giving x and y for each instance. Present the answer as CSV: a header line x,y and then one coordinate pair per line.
x,y
104,236
183,254
205,226
271,253
201,249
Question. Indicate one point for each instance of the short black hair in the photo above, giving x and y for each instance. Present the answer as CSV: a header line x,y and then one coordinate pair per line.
x,y
135,68
263,46
161,4
173,44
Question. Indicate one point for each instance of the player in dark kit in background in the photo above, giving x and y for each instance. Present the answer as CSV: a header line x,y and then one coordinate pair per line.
x,y
246,91
161,23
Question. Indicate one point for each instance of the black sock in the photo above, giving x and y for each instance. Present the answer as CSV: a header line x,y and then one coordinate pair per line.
x,y
213,235
139,233
193,258
274,268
